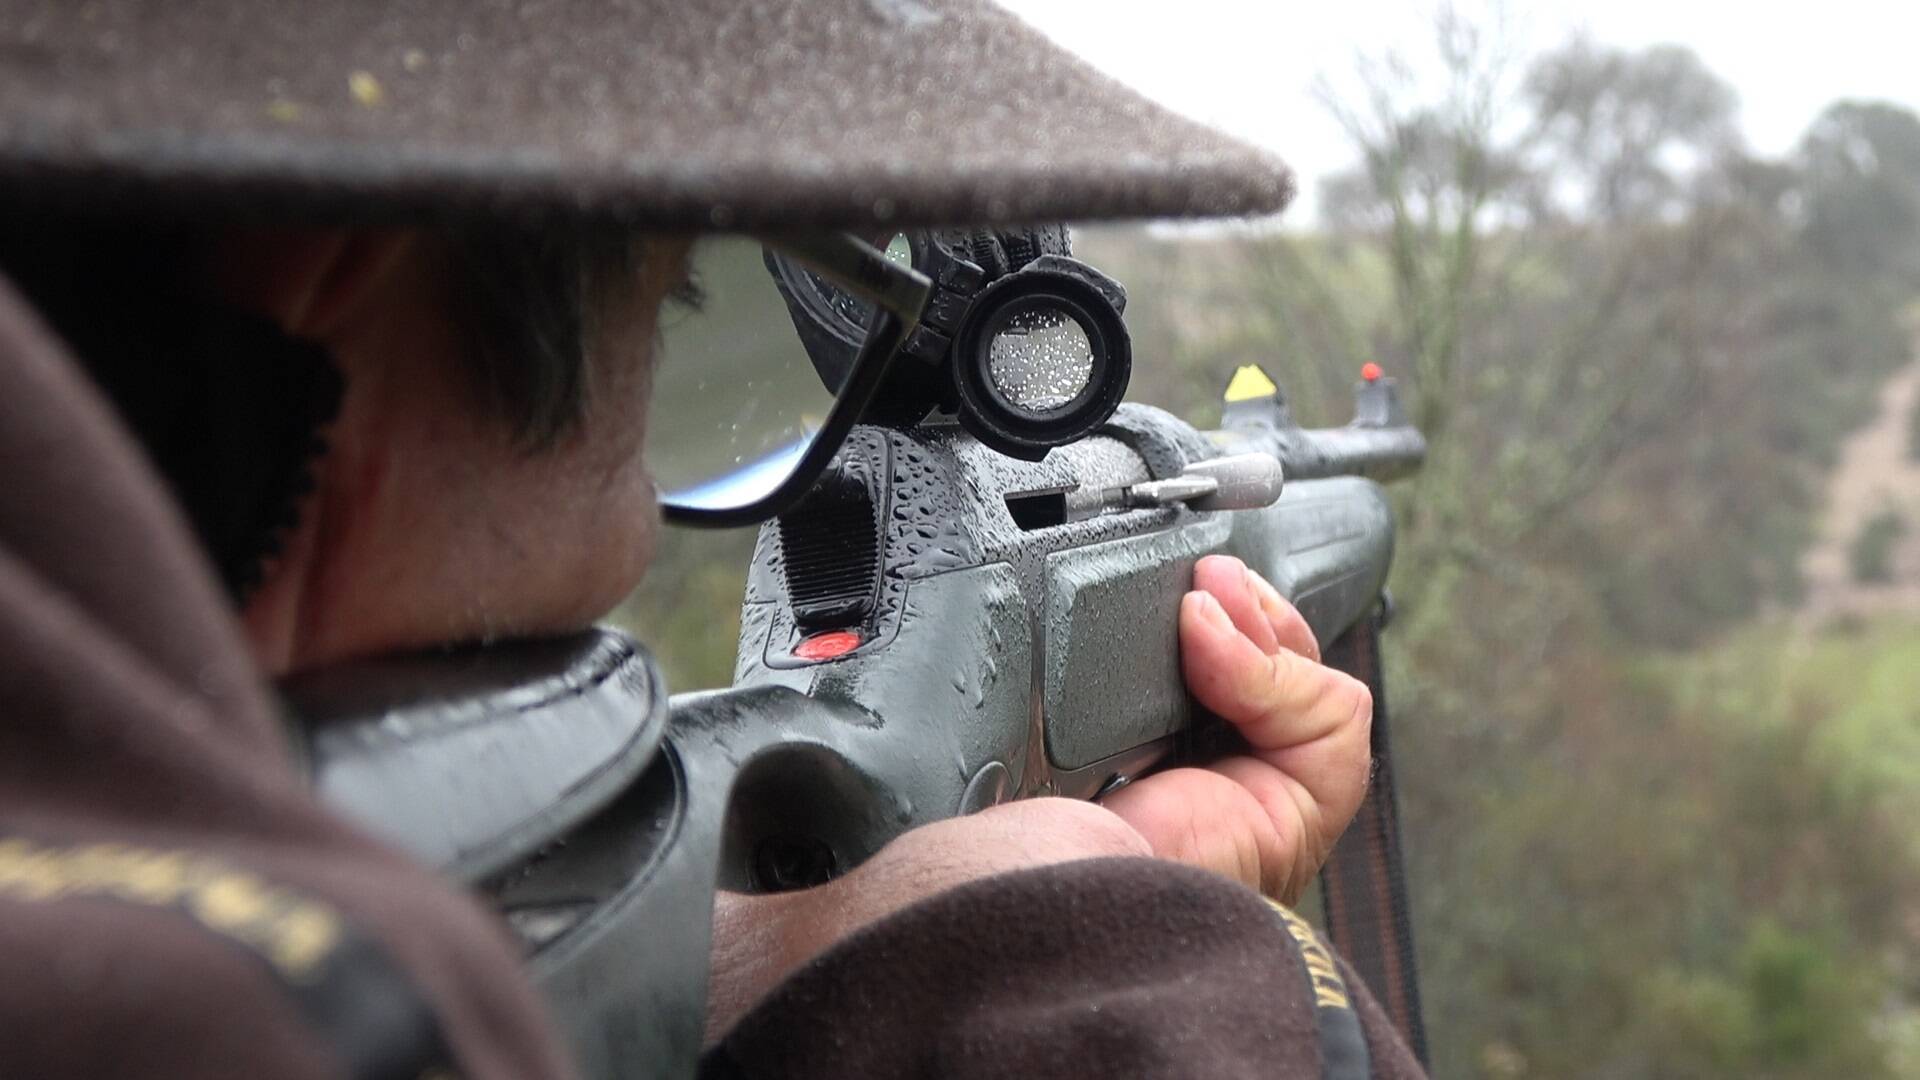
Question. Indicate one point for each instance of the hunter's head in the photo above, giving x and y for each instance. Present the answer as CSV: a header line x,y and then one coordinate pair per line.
x,y
379,286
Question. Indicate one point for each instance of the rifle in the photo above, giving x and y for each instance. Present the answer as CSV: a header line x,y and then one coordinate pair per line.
x,y
936,628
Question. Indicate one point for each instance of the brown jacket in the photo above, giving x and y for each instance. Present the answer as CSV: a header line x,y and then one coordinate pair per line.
x,y
1104,968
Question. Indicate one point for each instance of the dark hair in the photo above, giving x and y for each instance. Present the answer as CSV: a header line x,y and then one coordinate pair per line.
x,y
528,297
228,406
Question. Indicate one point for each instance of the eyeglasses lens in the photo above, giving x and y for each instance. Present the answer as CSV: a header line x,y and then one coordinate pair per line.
x,y
736,401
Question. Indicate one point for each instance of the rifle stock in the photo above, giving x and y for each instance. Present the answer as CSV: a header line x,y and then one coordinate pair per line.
x,y
933,631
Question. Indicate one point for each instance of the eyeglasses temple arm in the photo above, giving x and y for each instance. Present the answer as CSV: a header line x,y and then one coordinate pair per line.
x,y
861,269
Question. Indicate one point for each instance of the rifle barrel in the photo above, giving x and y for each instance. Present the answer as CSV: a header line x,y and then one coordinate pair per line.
x,y
1381,454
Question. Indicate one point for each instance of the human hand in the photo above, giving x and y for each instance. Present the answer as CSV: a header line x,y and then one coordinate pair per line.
x,y
1267,818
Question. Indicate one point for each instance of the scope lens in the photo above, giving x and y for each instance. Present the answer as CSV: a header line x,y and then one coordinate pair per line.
x,y
1040,358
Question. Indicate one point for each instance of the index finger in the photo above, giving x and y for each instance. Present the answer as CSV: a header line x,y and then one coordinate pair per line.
x,y
1255,606
1289,626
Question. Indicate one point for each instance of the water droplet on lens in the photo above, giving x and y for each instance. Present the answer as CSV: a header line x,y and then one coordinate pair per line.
x,y
1040,359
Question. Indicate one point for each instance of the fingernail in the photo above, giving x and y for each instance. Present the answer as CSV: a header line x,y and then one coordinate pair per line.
x,y
1211,610
1264,589
1228,559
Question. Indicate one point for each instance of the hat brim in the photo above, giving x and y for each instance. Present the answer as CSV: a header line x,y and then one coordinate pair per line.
x,y
709,115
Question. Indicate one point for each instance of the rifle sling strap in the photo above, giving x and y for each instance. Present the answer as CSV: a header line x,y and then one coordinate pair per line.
x,y
1364,884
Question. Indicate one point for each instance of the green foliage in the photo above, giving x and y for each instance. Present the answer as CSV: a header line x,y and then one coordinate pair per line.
x,y
1692,866
1787,1004
1870,556
688,608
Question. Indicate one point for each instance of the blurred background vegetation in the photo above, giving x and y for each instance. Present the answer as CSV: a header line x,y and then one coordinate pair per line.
x,y
1656,677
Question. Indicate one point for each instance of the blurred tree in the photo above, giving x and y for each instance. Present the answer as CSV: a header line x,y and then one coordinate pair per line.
x,y
1870,556
1616,135
1913,431
1632,362
1861,162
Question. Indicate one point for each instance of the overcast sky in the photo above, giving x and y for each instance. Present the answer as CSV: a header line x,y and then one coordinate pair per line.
x,y
1247,66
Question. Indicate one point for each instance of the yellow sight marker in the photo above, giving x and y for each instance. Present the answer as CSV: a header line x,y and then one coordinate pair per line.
x,y
1249,383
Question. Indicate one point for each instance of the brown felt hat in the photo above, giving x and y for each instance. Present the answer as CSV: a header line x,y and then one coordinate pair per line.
x,y
700,113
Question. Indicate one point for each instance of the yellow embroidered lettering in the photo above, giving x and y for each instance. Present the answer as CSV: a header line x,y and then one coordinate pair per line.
x,y
1323,973
231,902
293,934
302,938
